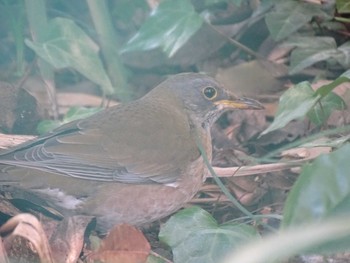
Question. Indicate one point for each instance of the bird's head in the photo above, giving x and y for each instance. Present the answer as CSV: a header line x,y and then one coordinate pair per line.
x,y
202,96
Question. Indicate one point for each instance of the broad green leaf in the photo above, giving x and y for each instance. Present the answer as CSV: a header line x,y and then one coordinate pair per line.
x,y
289,16
74,113
323,109
343,56
322,193
346,74
294,104
333,25
326,89
316,237
47,125
67,45
195,237
317,43
343,6
342,19
183,222
322,190
309,51
329,101
169,27
303,58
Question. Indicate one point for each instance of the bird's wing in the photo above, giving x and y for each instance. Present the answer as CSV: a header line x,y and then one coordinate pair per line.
x,y
124,151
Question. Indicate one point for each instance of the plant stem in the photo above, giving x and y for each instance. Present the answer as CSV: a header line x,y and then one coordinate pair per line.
x,y
37,19
109,46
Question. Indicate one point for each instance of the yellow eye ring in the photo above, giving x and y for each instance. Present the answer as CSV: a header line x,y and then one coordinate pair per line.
x,y
210,93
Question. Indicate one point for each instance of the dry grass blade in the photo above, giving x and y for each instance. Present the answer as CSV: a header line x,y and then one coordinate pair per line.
x,y
299,155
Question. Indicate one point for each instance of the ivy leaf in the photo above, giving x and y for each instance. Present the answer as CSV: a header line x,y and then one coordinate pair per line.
x,y
169,27
66,45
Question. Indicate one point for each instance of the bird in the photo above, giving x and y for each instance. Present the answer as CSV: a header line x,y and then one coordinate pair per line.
x,y
135,162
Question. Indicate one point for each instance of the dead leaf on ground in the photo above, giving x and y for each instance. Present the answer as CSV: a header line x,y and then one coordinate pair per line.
x,y
68,238
25,229
124,244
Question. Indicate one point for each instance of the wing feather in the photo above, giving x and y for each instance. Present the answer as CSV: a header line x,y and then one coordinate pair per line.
x,y
125,151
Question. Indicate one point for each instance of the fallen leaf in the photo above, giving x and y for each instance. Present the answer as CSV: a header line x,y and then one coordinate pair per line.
x,y
124,244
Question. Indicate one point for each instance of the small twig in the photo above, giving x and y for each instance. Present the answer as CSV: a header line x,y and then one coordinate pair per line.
x,y
238,45
257,169
159,256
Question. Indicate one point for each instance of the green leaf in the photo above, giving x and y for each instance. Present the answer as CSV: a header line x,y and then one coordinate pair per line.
x,y
300,101
169,27
322,110
289,16
322,193
317,43
195,236
326,89
342,19
322,190
329,101
346,74
309,51
343,6
76,113
183,222
294,104
330,235
303,58
67,45
343,56
47,125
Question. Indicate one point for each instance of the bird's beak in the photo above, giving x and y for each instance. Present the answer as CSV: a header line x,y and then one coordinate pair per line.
x,y
239,103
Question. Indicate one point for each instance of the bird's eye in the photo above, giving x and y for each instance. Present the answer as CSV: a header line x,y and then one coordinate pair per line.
x,y
210,93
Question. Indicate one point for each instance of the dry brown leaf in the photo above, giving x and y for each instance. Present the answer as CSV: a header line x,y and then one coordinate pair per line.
x,y
124,244
3,257
247,189
28,227
8,141
68,239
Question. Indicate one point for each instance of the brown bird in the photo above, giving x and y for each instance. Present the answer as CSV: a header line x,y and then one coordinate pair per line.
x,y
132,163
